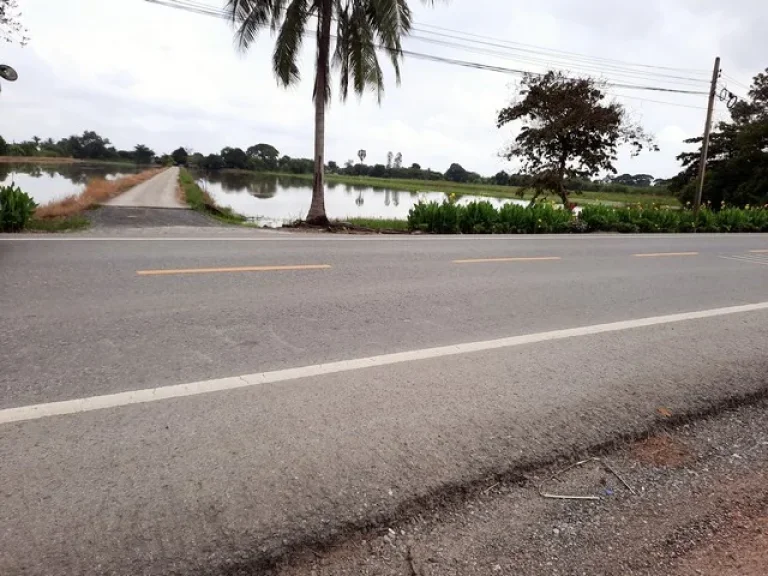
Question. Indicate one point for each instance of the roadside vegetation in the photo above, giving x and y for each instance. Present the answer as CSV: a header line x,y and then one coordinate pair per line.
x,y
379,224
17,213
199,200
548,218
97,191
16,208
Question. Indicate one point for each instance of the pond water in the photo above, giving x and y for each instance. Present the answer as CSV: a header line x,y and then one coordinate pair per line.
x,y
274,200
49,182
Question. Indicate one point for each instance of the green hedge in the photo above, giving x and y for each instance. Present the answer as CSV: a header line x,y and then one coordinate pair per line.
x,y
545,218
16,208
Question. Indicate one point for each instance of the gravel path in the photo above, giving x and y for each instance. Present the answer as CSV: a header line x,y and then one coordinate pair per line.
x,y
131,217
157,192
700,508
151,204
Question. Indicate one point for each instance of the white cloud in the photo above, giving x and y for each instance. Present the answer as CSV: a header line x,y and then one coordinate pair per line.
x,y
138,72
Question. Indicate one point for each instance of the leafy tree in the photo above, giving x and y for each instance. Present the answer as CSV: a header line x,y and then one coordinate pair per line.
x,y
389,160
501,179
234,158
456,173
333,167
415,166
378,171
212,162
362,27
10,25
143,154
569,131
362,154
737,165
640,180
89,146
3,147
398,161
266,153
180,157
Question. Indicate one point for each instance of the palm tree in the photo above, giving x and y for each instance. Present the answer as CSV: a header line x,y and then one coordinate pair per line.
x,y
362,26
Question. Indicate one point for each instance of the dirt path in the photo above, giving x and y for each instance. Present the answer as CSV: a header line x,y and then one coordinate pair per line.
x,y
157,192
700,507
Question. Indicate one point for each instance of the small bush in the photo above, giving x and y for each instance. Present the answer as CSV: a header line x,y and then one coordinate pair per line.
x,y
16,208
545,218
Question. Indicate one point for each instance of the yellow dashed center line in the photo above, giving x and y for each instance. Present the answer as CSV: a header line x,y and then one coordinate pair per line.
x,y
664,254
170,272
484,260
758,251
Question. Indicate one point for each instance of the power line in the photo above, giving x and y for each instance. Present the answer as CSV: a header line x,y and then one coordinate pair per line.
x,y
678,104
549,56
625,74
196,7
565,52
543,57
732,79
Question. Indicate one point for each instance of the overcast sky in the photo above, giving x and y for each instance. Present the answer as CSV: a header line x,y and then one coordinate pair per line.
x,y
142,73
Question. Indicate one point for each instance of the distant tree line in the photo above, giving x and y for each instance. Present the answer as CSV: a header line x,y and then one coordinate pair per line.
x,y
88,146
266,158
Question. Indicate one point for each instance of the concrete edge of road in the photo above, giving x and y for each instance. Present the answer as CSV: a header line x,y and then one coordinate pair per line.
x,y
448,495
283,235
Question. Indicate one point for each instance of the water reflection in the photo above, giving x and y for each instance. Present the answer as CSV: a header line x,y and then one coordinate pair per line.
x,y
48,182
278,199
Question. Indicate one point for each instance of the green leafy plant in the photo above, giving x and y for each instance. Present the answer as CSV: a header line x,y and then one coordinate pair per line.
x,y
16,208
547,218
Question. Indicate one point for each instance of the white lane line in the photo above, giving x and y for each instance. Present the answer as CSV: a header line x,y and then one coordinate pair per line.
x,y
91,403
665,254
748,259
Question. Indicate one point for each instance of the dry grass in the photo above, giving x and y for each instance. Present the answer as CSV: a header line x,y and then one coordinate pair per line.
x,y
97,191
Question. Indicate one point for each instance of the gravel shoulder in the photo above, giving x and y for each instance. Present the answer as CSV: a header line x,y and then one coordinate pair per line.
x,y
136,217
700,507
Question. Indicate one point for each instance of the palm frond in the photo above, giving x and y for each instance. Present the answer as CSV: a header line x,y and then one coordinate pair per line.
x,y
289,41
340,56
356,50
249,17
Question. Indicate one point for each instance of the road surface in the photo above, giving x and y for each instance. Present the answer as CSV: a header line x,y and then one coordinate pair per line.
x,y
199,403
157,192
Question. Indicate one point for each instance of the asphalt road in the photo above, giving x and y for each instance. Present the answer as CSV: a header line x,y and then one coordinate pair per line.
x,y
225,473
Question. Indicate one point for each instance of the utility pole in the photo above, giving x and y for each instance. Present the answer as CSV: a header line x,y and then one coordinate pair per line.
x,y
707,130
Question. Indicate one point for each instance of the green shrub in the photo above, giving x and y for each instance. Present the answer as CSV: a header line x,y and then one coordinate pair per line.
x,y
483,218
546,218
16,208
599,218
477,218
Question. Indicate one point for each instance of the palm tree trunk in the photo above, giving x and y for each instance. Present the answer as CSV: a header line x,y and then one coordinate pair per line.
x,y
316,213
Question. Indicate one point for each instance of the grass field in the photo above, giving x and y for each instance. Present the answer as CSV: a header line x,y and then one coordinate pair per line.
x,y
487,190
62,160
59,224
199,200
380,223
